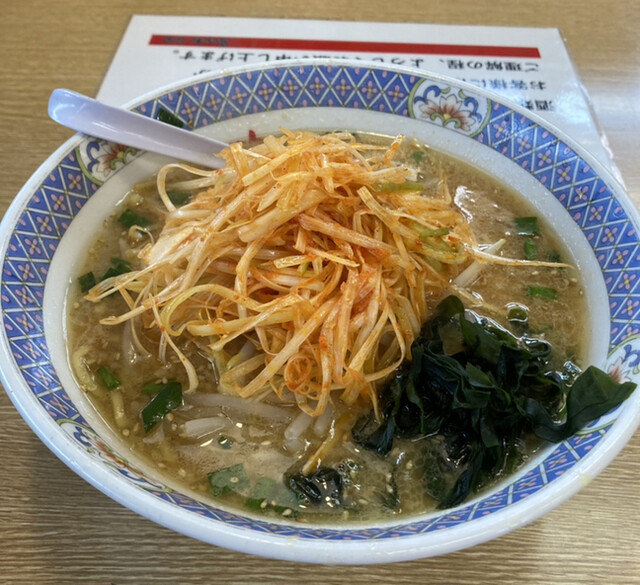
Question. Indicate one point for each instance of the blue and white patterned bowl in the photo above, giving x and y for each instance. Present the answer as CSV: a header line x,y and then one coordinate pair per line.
x,y
567,185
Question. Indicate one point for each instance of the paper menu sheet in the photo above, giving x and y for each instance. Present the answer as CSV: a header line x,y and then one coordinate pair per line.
x,y
530,66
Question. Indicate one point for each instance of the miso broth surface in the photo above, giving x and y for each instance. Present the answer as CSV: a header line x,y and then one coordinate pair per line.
x,y
374,487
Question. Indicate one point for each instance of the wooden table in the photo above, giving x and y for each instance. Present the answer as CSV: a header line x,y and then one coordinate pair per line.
x,y
55,528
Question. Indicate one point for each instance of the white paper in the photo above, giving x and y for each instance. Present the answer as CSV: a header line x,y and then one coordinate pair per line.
x,y
530,66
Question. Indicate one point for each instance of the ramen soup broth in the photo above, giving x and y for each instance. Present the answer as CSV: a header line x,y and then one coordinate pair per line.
x,y
239,450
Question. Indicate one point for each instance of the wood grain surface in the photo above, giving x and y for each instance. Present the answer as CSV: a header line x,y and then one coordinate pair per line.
x,y
55,528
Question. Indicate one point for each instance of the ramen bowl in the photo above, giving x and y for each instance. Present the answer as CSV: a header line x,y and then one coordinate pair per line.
x,y
54,218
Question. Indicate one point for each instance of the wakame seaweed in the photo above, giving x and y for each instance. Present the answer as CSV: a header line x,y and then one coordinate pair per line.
x,y
483,390
323,486
118,267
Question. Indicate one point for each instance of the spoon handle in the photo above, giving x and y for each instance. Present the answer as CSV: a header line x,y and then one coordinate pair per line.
x,y
84,114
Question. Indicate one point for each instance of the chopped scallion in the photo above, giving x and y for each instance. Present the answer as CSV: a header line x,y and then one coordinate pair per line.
x,y
107,377
518,314
391,187
554,257
530,249
542,292
418,155
527,226
179,197
87,281
130,218
155,387
166,400
118,267
427,233
435,264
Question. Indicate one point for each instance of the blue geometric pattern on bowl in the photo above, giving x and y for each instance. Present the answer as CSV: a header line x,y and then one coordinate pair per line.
x,y
80,172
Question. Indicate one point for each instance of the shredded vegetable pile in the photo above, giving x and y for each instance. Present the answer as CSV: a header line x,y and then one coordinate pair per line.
x,y
303,268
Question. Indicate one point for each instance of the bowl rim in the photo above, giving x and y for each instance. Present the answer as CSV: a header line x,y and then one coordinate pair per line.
x,y
251,541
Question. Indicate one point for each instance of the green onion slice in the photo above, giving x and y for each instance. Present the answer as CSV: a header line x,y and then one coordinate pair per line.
x,y
118,267
555,257
418,155
156,387
166,400
542,292
87,281
229,479
107,377
130,218
391,187
427,233
518,314
527,226
530,249
179,197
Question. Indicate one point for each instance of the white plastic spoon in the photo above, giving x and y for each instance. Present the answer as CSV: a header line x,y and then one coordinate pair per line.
x,y
84,114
